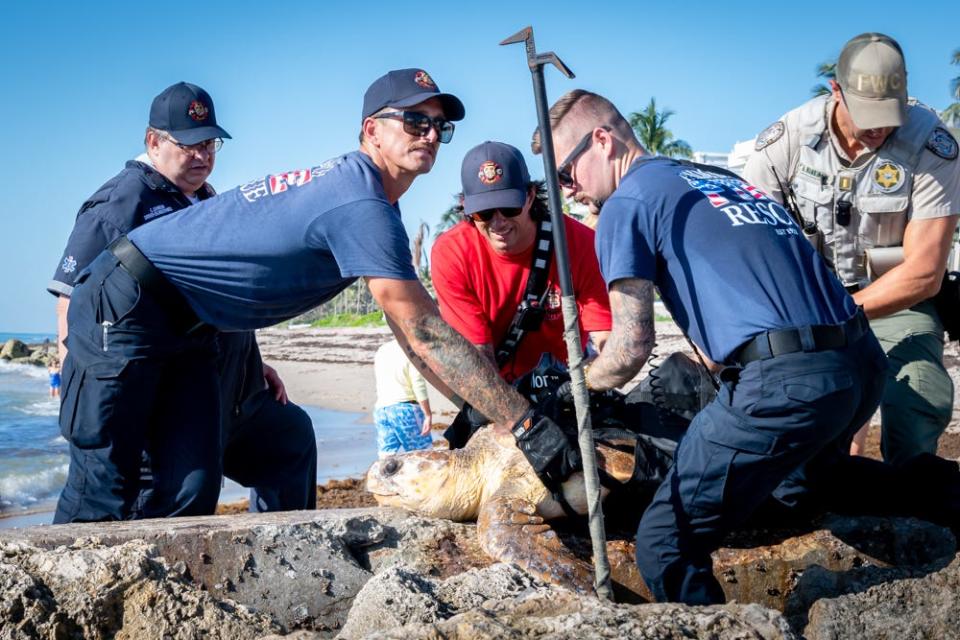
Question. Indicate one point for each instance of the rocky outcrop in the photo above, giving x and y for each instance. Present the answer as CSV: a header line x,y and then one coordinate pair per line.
x,y
385,573
13,348
93,591
502,602
17,352
891,603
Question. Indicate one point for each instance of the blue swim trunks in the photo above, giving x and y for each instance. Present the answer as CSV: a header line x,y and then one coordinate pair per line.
x,y
398,428
55,380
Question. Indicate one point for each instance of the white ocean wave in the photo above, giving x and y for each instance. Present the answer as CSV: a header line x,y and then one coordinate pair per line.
x,y
26,489
27,370
49,407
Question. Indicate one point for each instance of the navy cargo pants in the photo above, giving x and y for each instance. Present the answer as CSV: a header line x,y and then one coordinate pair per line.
x,y
775,428
267,446
271,448
133,384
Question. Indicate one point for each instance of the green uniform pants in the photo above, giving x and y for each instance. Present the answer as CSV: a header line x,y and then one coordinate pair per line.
x,y
918,398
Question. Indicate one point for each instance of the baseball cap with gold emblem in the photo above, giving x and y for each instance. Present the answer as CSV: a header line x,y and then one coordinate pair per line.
x,y
185,111
873,78
494,175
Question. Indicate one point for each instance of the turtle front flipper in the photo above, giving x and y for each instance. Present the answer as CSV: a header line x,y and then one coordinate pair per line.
x,y
509,530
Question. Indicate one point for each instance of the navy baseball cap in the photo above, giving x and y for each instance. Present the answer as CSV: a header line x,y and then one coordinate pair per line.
x,y
405,88
185,111
494,175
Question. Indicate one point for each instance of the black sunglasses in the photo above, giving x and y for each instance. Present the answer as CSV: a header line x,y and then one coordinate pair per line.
x,y
564,176
418,124
487,214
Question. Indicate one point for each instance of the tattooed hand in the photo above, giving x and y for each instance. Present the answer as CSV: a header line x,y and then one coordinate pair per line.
x,y
631,338
445,357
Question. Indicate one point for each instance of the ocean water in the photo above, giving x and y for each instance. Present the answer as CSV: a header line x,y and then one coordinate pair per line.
x,y
34,457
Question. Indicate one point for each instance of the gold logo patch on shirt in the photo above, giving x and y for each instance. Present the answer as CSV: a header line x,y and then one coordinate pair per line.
x,y
888,177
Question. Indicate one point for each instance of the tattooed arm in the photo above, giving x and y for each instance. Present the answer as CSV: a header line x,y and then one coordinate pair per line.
x,y
631,339
441,353
486,349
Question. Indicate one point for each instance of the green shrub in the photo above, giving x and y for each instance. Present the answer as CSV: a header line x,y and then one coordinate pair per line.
x,y
373,319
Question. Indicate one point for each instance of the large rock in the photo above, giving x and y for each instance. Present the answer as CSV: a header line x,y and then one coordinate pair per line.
x,y
922,603
399,596
126,591
298,567
13,348
303,568
306,569
503,602
776,575
772,567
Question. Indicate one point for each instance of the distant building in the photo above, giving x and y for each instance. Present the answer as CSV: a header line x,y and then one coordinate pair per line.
x,y
715,158
735,160
738,157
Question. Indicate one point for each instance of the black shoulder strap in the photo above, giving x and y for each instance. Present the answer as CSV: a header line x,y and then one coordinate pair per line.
x,y
530,312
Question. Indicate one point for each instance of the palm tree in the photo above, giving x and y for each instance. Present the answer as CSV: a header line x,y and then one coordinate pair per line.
x,y
449,218
650,127
418,250
951,115
827,71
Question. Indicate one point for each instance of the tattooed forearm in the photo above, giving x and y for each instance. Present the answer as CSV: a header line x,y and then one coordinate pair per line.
x,y
632,337
445,358
462,367
486,350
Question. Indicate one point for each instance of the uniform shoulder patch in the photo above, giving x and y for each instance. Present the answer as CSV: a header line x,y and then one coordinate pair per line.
x,y
770,135
943,144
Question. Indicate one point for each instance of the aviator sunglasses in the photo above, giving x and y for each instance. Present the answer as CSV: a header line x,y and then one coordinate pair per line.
x,y
487,214
418,124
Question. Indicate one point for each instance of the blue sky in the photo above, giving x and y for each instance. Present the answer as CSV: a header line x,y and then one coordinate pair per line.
x,y
288,81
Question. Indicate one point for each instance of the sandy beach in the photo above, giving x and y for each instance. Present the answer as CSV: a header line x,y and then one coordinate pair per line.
x,y
333,368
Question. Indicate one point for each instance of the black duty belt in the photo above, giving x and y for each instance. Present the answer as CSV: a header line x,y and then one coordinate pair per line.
x,y
155,284
821,337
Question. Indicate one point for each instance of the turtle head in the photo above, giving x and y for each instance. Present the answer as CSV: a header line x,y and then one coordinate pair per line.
x,y
419,481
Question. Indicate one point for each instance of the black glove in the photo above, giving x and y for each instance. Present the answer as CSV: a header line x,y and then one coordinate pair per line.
x,y
467,422
474,416
547,448
564,393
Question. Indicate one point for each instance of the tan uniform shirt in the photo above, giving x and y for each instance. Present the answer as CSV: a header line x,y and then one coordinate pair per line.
x,y
936,184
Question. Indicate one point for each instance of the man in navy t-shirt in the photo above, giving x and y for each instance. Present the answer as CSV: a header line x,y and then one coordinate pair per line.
x,y
140,371
800,370
269,443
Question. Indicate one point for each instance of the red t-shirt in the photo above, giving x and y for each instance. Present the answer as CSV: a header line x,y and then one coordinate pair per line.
x,y
479,292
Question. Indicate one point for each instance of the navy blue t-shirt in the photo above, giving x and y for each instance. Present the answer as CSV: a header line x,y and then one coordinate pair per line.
x,y
273,248
136,195
729,262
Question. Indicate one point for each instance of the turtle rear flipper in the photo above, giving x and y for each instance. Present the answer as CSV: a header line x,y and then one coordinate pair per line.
x,y
509,530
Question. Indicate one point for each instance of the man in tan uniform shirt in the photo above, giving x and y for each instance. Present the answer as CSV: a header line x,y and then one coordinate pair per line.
x,y
873,177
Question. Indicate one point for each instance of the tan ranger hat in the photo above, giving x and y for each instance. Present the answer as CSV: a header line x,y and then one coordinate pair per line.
x,y
873,77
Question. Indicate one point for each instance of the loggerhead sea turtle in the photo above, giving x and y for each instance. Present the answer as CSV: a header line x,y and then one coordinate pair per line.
x,y
490,481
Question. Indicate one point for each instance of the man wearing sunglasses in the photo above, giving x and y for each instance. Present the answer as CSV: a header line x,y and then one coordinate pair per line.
x,y
269,444
802,369
482,266
145,314
875,182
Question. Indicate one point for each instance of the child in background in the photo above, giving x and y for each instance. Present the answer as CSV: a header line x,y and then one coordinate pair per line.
x,y
54,371
402,412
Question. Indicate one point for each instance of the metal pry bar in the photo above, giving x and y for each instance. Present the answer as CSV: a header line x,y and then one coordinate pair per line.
x,y
533,58
571,332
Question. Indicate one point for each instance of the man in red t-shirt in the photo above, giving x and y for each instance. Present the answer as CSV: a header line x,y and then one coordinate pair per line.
x,y
480,266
